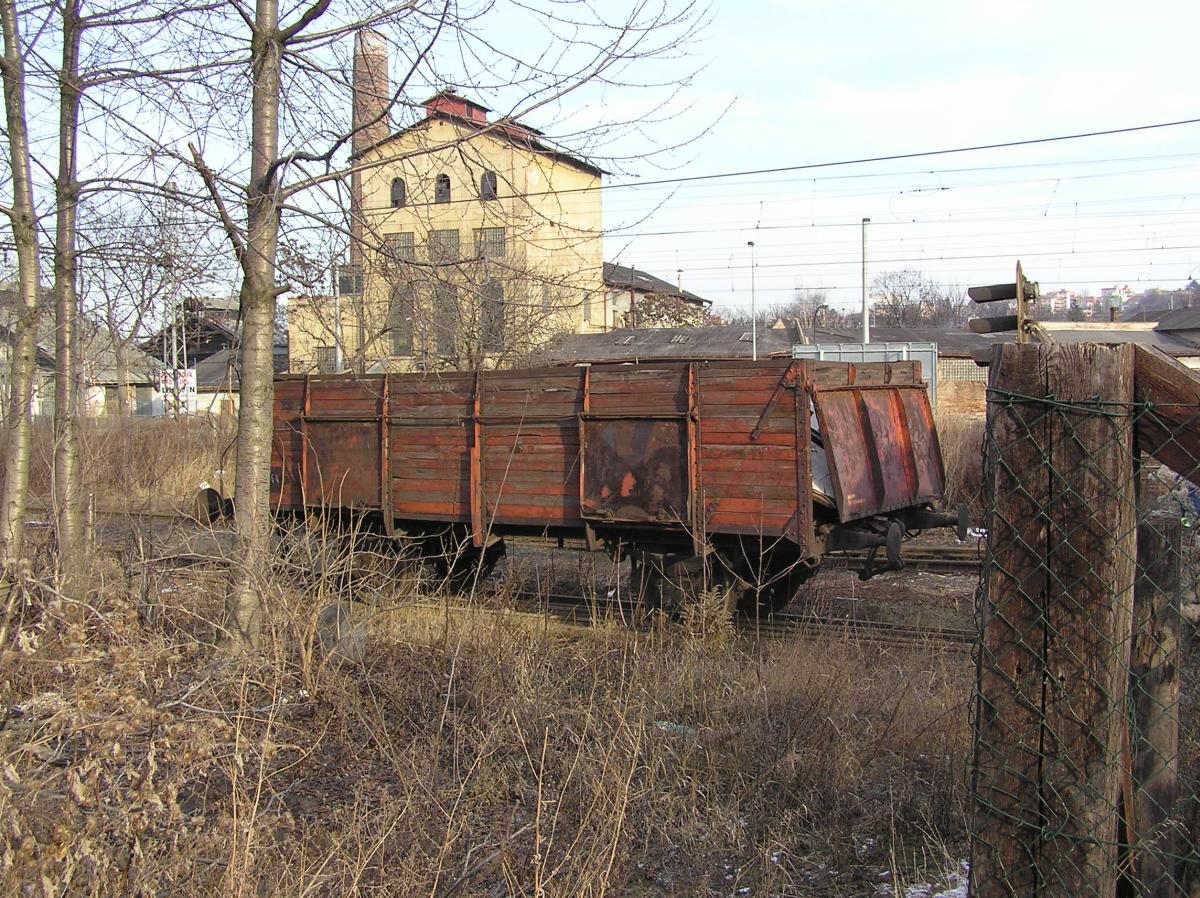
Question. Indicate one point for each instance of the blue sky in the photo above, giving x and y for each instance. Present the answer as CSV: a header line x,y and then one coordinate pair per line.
x,y
824,81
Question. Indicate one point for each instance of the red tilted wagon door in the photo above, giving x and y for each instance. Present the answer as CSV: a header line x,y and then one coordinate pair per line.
x,y
881,447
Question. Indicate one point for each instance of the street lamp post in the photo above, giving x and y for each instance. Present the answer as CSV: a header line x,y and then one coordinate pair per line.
x,y
866,309
753,310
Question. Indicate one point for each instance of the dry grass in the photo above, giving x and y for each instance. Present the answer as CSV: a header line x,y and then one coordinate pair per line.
x,y
146,462
476,752
961,439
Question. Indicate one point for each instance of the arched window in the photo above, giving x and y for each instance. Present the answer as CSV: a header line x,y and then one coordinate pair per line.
x,y
487,186
399,193
441,189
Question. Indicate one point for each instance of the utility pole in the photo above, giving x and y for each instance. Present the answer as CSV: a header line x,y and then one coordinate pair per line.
x,y
753,310
866,308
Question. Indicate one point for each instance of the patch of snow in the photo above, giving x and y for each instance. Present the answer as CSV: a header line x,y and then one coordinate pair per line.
x,y
953,886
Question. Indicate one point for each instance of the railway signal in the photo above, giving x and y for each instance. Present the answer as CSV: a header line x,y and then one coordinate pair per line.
x,y
1023,290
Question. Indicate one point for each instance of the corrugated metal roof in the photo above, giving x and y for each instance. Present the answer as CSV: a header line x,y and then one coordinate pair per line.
x,y
726,341
1179,320
955,343
732,341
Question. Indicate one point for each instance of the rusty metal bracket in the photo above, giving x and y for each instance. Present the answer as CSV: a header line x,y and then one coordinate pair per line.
x,y
786,382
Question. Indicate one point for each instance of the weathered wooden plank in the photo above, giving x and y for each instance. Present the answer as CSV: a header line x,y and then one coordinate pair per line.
x,y
1170,430
1092,541
1154,696
1058,616
1006,836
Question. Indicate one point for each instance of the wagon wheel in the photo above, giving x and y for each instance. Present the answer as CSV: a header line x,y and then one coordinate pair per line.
x,y
459,564
764,577
663,583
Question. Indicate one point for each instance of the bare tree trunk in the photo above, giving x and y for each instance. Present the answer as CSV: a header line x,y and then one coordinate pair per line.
x,y
123,387
243,612
67,493
24,351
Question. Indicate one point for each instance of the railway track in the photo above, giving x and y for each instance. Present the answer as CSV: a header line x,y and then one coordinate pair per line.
x,y
954,559
868,631
582,612
951,559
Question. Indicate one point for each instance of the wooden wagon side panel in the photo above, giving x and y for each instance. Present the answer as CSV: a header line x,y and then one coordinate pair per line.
x,y
529,448
342,436
287,493
635,462
881,446
429,446
752,469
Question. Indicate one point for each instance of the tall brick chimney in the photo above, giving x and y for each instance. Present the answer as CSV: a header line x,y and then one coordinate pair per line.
x,y
372,119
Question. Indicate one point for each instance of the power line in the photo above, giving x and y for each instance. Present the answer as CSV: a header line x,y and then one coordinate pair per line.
x,y
812,166
899,156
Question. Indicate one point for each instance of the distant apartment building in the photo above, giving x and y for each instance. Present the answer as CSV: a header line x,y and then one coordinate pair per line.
x,y
1058,302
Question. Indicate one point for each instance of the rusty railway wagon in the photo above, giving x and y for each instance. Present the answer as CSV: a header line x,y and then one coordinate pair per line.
x,y
731,474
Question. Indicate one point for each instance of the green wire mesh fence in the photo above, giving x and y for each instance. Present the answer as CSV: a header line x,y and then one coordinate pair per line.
x,y
1086,777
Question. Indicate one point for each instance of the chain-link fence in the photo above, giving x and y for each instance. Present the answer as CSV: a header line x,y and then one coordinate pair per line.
x,y
1087,724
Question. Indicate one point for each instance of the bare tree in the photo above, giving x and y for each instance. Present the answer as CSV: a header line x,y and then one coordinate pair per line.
x,y
902,298
950,308
67,474
807,308
23,352
287,184
137,263
664,310
909,298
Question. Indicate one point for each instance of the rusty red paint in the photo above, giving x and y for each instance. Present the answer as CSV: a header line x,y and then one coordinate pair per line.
x,y
870,435
686,448
636,470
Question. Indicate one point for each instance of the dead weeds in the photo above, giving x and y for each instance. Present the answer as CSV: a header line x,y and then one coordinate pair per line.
x,y
475,752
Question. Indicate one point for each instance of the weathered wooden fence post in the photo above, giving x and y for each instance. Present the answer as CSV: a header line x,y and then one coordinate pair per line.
x,y
1057,616
1154,700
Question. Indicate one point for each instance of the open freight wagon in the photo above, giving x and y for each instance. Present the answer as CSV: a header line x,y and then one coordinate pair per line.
x,y
729,474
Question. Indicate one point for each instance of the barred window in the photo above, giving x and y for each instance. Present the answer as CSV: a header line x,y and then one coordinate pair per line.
x,y
587,308
399,193
487,186
441,189
401,246
445,318
400,318
489,243
491,317
443,246
327,359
